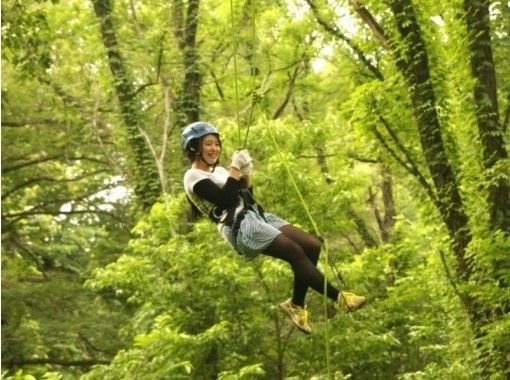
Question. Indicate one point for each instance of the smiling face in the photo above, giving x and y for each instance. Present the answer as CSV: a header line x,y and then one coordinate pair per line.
x,y
210,149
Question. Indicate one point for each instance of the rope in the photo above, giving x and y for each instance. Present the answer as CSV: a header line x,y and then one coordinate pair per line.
x,y
253,52
296,188
317,232
234,53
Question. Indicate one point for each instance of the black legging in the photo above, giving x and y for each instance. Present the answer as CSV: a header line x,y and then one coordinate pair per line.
x,y
301,250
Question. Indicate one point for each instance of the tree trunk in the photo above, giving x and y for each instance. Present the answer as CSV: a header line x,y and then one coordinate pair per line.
x,y
361,228
490,129
385,222
189,100
147,186
389,205
414,65
491,132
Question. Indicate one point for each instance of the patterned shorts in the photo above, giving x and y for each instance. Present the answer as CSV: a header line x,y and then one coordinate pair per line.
x,y
255,234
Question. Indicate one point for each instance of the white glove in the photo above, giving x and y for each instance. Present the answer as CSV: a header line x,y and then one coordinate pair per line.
x,y
246,155
240,159
247,169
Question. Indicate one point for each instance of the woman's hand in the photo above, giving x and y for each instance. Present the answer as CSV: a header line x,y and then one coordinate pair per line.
x,y
240,159
247,169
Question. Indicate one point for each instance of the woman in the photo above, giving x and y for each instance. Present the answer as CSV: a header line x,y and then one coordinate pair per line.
x,y
226,197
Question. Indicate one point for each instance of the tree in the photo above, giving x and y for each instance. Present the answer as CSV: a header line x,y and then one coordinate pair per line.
x,y
147,186
411,57
185,30
490,127
60,217
374,107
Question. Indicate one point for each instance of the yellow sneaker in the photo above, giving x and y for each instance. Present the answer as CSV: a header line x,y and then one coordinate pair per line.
x,y
297,314
349,302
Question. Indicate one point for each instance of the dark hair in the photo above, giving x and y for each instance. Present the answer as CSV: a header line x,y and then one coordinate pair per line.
x,y
193,153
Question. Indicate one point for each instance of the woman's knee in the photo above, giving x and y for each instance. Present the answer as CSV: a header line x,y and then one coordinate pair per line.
x,y
285,248
312,246
314,249
303,238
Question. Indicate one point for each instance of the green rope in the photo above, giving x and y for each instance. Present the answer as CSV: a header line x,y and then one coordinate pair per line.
x,y
296,188
253,60
234,53
316,230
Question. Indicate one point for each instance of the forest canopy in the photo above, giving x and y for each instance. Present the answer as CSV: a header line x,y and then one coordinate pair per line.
x,y
381,126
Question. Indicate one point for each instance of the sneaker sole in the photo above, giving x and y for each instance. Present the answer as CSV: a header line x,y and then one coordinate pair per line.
x,y
295,324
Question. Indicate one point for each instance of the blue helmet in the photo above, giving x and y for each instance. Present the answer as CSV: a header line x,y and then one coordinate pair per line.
x,y
195,131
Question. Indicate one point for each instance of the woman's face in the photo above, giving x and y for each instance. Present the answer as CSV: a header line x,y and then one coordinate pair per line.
x,y
211,149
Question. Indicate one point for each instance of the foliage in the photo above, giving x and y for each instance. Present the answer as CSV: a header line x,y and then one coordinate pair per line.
x,y
89,277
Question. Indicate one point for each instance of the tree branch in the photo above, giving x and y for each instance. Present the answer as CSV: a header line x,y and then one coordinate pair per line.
x,y
367,160
28,123
217,84
136,23
333,30
506,120
166,133
49,179
367,17
40,210
417,174
449,276
22,214
386,186
160,56
40,160
317,156
161,173
361,228
377,213
178,22
410,161
290,90
399,144
68,98
298,113
143,87
349,240
61,362
146,185
18,244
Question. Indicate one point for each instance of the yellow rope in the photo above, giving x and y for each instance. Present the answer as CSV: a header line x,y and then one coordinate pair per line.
x,y
296,188
317,232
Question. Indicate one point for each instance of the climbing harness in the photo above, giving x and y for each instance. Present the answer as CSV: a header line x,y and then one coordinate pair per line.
x,y
233,216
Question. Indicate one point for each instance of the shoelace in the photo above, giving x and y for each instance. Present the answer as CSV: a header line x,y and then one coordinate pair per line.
x,y
345,303
302,315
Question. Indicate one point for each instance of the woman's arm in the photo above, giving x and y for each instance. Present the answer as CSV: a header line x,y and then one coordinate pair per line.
x,y
224,197
235,173
227,196
247,181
